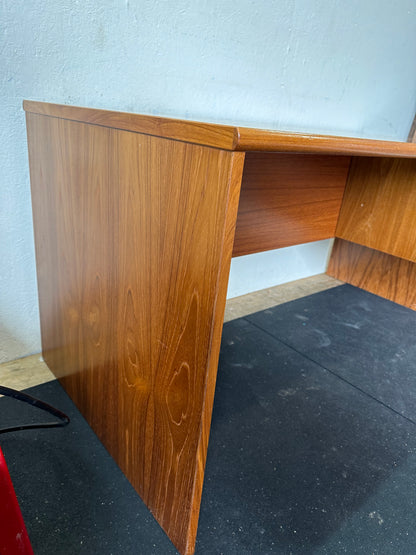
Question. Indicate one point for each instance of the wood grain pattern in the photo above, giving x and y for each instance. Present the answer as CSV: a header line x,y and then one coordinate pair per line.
x,y
226,137
288,199
379,206
277,141
133,240
379,273
134,223
207,134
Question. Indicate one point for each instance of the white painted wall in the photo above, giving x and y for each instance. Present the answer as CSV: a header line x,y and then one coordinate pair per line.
x,y
266,269
312,65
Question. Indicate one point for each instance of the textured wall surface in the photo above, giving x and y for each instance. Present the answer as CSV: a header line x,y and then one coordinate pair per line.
x,y
312,65
267,269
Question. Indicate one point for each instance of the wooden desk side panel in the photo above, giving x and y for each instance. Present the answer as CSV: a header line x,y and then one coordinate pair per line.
x,y
379,206
382,274
134,236
288,199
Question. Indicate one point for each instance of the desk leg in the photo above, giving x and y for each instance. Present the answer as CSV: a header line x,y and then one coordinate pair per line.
x,y
375,247
385,275
134,237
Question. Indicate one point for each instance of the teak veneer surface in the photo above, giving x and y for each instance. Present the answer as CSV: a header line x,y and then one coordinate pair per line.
x,y
288,199
225,136
379,206
134,237
134,222
379,273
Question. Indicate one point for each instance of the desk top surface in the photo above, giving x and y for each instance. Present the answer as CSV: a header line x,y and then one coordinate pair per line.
x,y
225,137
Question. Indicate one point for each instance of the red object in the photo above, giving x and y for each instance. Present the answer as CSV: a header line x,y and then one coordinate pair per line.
x,y
14,539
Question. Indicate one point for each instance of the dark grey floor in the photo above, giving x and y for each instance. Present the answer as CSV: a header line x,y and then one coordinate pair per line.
x,y
312,449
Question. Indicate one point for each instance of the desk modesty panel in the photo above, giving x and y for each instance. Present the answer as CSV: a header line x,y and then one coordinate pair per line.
x,y
136,219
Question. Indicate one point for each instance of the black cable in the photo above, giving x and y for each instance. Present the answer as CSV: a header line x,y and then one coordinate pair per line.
x,y
19,396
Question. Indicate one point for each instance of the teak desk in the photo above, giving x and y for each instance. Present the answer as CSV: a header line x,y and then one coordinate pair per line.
x,y
136,220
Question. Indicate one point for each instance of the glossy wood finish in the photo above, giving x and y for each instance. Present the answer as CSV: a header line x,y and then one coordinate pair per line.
x,y
274,141
379,273
134,236
226,136
219,136
288,199
379,206
134,225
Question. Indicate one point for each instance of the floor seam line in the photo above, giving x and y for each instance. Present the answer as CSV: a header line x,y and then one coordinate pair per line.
x,y
332,372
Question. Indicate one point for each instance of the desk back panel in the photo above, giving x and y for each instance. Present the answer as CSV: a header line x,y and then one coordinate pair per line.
x,y
288,199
